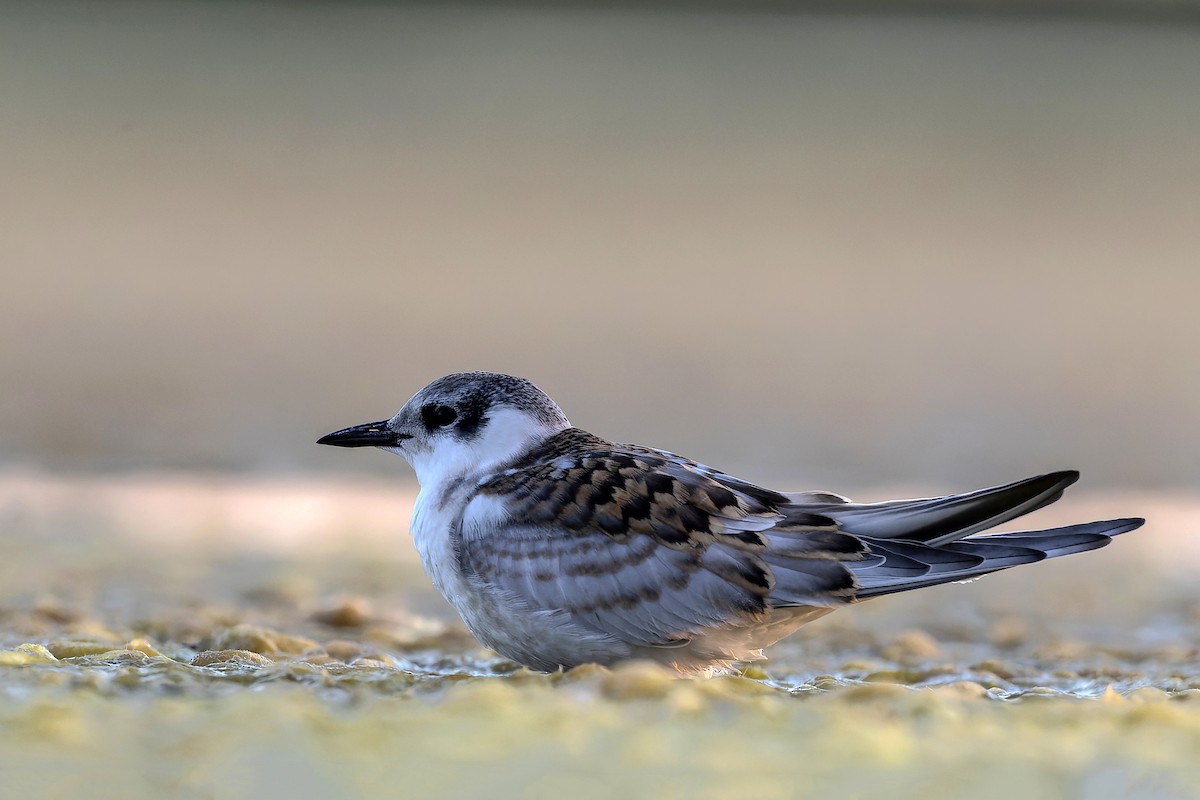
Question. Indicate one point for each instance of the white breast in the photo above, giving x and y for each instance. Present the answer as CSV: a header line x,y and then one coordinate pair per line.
x,y
433,524
543,638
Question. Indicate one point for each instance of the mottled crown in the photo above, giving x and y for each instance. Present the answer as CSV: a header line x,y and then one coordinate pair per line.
x,y
476,392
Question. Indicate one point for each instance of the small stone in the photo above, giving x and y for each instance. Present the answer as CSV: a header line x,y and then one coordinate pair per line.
x,y
52,611
122,656
74,649
1008,632
911,647
350,612
143,646
26,654
210,657
595,672
244,637
320,659
261,640
996,667
1062,650
372,663
344,650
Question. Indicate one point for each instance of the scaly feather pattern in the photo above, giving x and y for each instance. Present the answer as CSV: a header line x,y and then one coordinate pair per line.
x,y
558,547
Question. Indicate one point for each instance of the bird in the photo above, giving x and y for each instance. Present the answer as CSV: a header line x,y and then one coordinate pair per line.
x,y
559,548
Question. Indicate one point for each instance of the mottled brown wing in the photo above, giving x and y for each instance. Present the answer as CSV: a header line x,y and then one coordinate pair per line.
x,y
649,547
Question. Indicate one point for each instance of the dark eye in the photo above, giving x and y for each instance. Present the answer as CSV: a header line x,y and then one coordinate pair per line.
x,y
438,416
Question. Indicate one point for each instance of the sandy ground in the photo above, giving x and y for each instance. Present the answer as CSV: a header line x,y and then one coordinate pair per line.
x,y
221,637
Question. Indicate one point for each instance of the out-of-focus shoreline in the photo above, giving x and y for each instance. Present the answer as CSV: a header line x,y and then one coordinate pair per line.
x,y
277,513
1118,10
248,513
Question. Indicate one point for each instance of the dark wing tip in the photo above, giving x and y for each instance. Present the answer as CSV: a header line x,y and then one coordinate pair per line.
x,y
1125,525
1058,480
1065,476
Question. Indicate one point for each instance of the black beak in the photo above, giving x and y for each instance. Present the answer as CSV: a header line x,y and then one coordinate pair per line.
x,y
371,434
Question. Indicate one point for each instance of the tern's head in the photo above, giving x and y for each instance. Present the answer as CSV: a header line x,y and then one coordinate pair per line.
x,y
462,423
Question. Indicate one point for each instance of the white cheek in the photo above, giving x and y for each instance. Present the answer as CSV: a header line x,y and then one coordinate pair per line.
x,y
446,459
507,434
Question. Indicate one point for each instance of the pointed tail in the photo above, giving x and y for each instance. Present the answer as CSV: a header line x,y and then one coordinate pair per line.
x,y
939,520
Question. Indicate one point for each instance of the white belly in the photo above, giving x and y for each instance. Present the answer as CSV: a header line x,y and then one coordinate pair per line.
x,y
432,530
543,638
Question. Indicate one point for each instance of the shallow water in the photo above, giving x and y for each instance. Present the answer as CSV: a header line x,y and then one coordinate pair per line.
x,y
152,643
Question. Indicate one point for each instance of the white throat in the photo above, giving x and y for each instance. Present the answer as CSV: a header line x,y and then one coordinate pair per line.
x,y
448,473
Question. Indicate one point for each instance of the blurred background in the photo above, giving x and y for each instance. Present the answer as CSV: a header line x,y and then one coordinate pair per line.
x,y
873,247
816,249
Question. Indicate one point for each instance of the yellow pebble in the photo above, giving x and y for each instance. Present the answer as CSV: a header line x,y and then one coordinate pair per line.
x,y
123,656
998,668
585,672
344,650
371,663
210,657
263,641
351,612
911,647
320,659
26,654
143,646
73,649
1008,632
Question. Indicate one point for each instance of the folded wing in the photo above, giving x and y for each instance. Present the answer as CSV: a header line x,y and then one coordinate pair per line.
x,y
655,550
644,546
